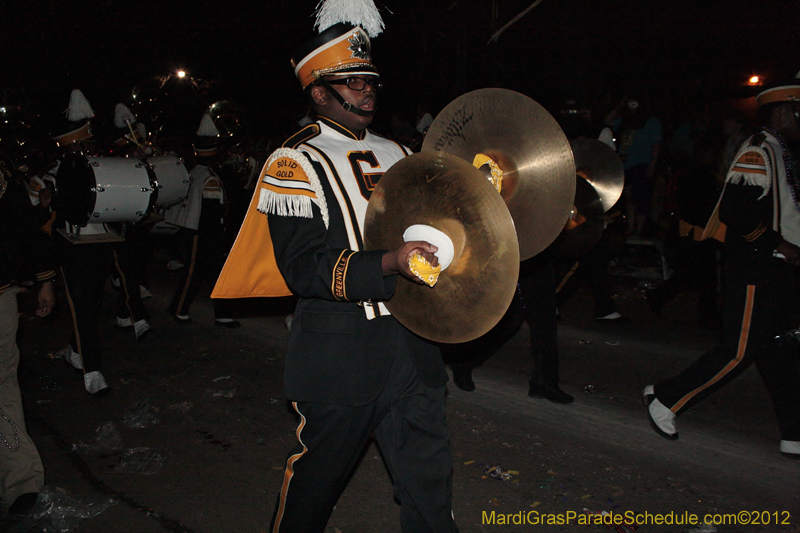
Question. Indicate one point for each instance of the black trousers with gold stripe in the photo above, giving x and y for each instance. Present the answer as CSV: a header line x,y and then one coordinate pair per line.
x,y
761,302
408,422
534,303
85,268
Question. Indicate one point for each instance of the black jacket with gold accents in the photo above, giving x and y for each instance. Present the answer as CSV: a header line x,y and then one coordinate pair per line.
x,y
343,339
25,247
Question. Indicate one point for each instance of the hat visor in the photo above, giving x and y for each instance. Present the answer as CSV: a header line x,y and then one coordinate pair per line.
x,y
79,134
786,93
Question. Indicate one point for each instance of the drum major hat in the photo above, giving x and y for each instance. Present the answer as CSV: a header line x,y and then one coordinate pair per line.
x,y
343,45
786,91
341,49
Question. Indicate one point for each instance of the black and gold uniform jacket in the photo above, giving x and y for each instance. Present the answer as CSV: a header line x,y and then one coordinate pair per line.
x,y
314,191
757,204
25,247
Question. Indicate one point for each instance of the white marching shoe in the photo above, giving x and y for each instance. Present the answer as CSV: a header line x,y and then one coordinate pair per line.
x,y
661,418
140,327
95,382
72,357
791,448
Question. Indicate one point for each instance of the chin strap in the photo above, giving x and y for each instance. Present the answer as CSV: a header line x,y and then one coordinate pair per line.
x,y
346,105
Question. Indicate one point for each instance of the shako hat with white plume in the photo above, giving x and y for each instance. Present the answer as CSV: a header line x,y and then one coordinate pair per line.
x,y
77,126
206,138
343,45
128,128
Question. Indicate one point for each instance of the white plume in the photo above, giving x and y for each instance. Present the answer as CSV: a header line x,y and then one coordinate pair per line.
x,y
357,12
79,108
123,116
207,127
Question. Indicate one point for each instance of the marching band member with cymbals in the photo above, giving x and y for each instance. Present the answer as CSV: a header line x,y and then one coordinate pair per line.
x,y
352,369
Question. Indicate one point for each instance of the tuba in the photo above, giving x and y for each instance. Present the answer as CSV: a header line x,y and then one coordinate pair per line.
x,y
229,120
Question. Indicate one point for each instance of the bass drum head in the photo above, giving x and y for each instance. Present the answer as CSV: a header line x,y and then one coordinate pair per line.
x,y
124,189
172,180
103,189
76,192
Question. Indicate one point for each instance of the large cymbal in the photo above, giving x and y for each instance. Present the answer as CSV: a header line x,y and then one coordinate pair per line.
x,y
585,225
449,194
601,167
528,145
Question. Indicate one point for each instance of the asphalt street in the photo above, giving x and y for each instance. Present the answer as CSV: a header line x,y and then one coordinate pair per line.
x,y
194,436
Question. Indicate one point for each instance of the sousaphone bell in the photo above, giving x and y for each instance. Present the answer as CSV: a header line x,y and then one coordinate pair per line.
x,y
229,120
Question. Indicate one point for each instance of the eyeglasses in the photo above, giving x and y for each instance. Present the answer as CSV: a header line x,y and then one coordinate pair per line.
x,y
358,84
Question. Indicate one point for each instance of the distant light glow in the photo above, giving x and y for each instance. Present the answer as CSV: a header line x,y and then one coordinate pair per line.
x,y
754,80
181,73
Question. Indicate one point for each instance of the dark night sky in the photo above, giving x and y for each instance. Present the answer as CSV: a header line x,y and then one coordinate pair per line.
x,y
433,50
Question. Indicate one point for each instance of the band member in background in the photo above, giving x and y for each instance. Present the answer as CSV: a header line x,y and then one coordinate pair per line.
x,y
85,267
534,304
760,210
131,255
201,218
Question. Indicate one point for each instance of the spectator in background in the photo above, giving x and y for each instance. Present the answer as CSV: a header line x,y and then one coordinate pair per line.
x,y
639,136
735,130
692,193
22,241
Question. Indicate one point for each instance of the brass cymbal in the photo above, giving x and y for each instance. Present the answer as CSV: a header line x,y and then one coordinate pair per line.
x,y
585,225
449,194
601,167
527,144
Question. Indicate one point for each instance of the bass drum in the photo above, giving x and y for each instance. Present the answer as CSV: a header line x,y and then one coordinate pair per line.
x,y
103,189
171,180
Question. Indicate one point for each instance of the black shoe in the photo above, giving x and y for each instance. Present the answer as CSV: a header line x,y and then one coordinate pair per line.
x,y
654,302
462,377
549,392
99,395
230,324
23,505
710,322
